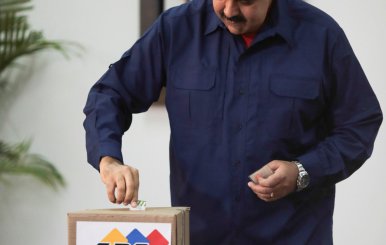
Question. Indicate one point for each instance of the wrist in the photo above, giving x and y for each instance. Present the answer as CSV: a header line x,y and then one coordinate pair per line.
x,y
107,160
303,179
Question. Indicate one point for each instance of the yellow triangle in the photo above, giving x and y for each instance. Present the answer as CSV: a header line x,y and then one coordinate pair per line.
x,y
114,236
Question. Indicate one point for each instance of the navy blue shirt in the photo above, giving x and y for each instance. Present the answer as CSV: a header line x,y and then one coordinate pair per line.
x,y
297,93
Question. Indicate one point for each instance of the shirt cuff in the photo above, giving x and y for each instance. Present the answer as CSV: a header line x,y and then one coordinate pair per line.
x,y
104,149
314,167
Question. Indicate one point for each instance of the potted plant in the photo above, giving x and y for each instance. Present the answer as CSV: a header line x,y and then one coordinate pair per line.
x,y
18,40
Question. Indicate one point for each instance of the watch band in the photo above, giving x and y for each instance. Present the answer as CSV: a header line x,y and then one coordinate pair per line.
x,y
303,177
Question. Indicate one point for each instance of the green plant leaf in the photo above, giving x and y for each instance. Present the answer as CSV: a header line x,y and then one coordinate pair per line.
x,y
17,39
16,160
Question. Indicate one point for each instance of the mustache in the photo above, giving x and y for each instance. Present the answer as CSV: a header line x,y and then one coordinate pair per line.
x,y
235,18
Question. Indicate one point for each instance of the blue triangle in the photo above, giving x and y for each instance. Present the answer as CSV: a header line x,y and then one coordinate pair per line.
x,y
137,237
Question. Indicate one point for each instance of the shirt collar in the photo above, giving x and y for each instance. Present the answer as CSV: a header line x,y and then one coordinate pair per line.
x,y
279,21
213,22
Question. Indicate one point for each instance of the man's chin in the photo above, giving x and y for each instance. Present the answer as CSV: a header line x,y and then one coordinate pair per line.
x,y
235,28
235,31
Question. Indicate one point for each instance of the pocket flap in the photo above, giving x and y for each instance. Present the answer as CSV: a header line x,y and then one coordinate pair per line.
x,y
194,78
298,87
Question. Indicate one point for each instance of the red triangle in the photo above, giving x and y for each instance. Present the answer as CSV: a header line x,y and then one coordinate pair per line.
x,y
156,238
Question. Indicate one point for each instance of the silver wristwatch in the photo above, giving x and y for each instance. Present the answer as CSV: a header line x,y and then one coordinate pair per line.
x,y
303,178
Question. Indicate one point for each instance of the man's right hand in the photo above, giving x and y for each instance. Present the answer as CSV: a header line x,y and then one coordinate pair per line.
x,y
122,181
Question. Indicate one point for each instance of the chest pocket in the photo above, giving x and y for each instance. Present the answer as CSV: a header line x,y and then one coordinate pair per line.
x,y
194,97
293,105
301,88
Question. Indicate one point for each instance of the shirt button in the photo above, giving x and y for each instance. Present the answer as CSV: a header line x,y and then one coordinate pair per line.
x,y
239,126
241,91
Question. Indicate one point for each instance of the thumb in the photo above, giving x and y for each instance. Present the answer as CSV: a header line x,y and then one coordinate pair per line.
x,y
134,200
274,165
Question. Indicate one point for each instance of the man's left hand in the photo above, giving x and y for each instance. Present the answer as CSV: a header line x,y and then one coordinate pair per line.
x,y
278,185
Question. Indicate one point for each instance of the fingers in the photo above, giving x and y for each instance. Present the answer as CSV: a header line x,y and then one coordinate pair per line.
x,y
278,185
264,193
132,186
121,181
127,184
110,188
121,189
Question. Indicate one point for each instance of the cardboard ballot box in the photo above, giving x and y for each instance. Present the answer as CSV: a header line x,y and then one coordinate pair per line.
x,y
153,226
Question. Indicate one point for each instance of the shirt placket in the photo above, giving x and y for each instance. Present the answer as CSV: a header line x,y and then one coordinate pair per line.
x,y
238,81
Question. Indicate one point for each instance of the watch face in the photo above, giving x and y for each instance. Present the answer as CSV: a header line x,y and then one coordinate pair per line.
x,y
304,180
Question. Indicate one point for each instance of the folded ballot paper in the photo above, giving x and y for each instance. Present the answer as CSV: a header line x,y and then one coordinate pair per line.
x,y
122,226
141,205
263,172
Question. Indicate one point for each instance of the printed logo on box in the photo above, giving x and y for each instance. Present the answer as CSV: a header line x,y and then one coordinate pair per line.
x,y
122,233
135,237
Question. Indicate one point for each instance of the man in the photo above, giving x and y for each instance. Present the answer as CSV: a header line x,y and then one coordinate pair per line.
x,y
249,83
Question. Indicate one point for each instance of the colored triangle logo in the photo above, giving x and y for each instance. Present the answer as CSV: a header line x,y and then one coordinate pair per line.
x,y
156,238
136,237
114,236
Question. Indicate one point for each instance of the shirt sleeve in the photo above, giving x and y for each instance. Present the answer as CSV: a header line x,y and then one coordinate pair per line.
x,y
129,86
353,117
